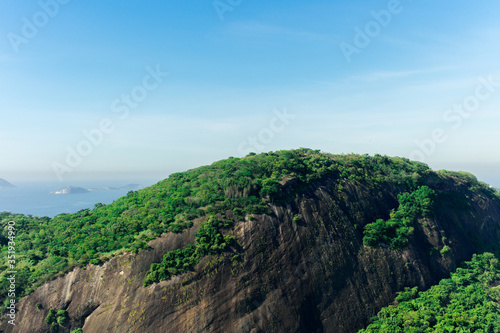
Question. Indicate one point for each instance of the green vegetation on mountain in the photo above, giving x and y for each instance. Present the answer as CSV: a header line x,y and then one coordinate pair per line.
x,y
473,183
216,196
466,302
396,231
208,241
54,318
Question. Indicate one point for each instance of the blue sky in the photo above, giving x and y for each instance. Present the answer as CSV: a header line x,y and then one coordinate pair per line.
x,y
229,78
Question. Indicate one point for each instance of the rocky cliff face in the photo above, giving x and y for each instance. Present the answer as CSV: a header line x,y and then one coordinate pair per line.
x,y
308,274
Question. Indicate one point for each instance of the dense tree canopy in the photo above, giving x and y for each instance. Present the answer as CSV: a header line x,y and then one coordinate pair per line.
x,y
396,231
466,302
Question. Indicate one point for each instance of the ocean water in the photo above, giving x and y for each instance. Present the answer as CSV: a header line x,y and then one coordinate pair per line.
x,y
35,198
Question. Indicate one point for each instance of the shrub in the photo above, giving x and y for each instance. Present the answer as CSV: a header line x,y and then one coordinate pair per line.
x,y
51,318
396,231
297,218
95,261
445,250
56,317
62,317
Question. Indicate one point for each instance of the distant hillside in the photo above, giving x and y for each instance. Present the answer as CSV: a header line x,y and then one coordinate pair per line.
x,y
5,184
286,241
79,190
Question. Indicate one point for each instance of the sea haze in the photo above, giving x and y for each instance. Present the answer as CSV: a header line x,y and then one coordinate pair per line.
x,y
35,198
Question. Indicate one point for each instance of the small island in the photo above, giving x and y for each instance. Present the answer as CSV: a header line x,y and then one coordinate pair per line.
x,y
70,190
5,184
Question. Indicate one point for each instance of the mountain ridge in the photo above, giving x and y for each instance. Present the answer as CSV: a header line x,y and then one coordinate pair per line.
x,y
309,238
79,190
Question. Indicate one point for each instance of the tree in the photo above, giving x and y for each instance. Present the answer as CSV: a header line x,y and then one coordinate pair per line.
x,y
51,318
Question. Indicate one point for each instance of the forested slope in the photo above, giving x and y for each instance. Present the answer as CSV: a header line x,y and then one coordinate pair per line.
x,y
237,227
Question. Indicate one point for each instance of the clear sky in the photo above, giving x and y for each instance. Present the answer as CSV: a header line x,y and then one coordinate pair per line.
x,y
84,92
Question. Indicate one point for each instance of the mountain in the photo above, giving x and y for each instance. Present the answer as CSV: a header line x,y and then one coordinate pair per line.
x,y
78,190
130,187
5,184
288,241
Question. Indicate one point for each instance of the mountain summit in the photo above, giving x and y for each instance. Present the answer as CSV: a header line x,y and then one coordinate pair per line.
x,y
287,241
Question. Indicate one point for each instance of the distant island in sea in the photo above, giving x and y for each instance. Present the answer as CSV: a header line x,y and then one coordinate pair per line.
x,y
5,184
80,190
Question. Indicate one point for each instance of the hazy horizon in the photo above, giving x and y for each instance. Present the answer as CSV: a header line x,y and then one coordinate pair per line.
x,y
484,173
